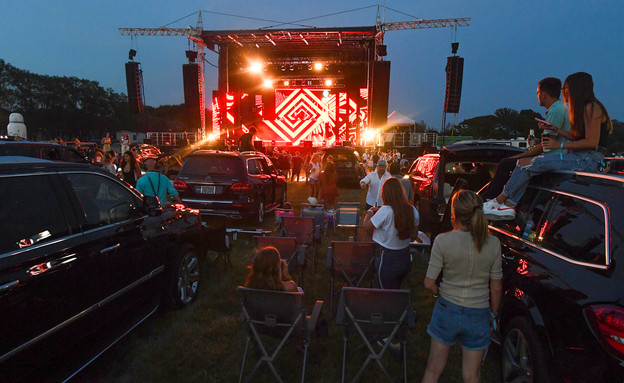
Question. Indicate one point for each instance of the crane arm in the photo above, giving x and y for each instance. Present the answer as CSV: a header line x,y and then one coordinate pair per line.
x,y
162,31
421,24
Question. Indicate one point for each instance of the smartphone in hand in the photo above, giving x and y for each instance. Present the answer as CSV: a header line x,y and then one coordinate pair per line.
x,y
543,121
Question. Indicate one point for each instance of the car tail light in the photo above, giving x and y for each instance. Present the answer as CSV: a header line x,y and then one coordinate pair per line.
x,y
608,324
179,185
241,187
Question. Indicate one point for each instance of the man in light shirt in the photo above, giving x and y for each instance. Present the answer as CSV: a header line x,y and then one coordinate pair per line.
x,y
374,180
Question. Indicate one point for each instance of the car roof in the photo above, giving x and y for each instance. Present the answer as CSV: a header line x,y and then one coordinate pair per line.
x,y
476,145
21,160
38,143
20,164
204,152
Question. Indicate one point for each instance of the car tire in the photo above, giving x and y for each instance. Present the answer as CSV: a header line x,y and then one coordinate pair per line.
x,y
183,287
260,213
523,355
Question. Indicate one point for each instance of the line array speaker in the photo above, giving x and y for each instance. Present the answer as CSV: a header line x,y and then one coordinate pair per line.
x,y
134,83
454,75
190,74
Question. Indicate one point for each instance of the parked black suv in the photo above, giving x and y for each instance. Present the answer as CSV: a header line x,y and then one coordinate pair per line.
x,y
562,313
433,177
231,184
347,161
81,264
42,150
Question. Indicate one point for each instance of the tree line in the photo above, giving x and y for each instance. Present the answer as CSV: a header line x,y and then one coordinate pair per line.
x,y
67,107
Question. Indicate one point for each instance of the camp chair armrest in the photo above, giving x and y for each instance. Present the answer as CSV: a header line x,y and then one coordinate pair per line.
x,y
329,258
316,314
241,318
301,255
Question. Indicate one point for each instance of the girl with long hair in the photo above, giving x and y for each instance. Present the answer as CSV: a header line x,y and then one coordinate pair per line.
x,y
130,169
470,292
590,126
315,172
394,226
269,272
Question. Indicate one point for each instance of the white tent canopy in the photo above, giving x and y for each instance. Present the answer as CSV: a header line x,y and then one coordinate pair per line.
x,y
397,119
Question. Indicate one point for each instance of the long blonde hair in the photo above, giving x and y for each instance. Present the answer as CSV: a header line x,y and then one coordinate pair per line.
x,y
467,208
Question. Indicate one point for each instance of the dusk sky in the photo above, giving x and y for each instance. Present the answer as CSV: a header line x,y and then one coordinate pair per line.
x,y
507,48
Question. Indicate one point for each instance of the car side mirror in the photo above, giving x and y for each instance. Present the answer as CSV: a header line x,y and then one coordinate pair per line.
x,y
151,205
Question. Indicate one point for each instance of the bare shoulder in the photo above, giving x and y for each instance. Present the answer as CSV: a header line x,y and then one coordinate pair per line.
x,y
290,286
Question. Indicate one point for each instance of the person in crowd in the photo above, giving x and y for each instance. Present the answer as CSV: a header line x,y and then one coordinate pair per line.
x,y
173,164
548,92
156,184
136,153
297,161
395,171
470,292
269,272
315,172
114,159
329,187
108,163
306,167
98,157
590,126
375,158
106,143
394,225
365,157
245,142
125,142
404,166
130,169
374,180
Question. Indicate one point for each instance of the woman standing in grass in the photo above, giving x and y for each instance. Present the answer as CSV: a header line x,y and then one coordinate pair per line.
x,y
470,291
329,187
315,172
269,272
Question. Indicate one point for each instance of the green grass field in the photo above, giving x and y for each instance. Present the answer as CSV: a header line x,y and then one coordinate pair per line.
x,y
203,343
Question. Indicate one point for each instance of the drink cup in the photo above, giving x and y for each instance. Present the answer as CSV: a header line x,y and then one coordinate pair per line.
x,y
544,135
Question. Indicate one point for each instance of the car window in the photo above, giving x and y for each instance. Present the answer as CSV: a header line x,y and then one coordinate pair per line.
x,y
253,167
72,156
103,201
212,165
425,167
31,213
528,214
265,166
575,228
268,162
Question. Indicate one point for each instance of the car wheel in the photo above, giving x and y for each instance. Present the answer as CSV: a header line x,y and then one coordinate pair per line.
x,y
523,354
260,212
184,280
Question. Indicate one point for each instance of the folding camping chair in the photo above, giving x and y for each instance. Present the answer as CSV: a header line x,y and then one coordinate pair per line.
x,y
279,213
317,212
279,315
287,247
216,240
348,216
354,262
375,314
306,232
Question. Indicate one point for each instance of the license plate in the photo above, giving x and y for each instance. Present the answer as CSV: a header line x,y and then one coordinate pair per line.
x,y
208,190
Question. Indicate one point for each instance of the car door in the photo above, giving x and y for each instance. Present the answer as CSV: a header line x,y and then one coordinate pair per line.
x,y
129,264
47,292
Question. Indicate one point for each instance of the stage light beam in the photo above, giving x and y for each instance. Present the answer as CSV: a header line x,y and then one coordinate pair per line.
x,y
267,83
255,67
329,82
318,66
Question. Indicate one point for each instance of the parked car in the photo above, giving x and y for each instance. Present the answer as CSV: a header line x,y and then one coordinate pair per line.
x,y
347,161
81,264
433,177
615,165
42,150
231,184
562,312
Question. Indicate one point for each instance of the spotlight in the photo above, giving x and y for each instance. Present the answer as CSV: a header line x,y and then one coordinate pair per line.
x,y
318,66
369,135
286,83
191,56
212,137
329,82
327,67
292,67
131,54
255,67
454,47
309,66
283,68
268,83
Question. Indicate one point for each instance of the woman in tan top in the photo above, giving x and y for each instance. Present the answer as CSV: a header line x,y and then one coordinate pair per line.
x,y
470,291
269,272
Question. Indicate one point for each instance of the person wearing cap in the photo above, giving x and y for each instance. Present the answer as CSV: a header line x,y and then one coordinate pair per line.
x,y
156,184
374,180
395,171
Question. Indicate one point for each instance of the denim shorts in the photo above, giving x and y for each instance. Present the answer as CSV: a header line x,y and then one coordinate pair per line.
x,y
451,322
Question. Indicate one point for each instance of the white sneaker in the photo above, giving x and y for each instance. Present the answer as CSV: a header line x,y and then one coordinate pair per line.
x,y
495,211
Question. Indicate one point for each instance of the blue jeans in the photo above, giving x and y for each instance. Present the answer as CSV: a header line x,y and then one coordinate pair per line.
x,y
393,267
451,322
585,161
